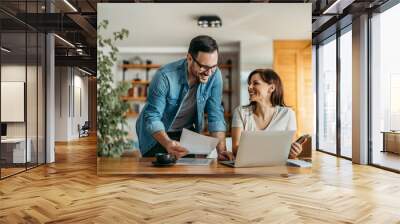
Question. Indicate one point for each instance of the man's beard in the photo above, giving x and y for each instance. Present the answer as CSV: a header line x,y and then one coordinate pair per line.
x,y
202,77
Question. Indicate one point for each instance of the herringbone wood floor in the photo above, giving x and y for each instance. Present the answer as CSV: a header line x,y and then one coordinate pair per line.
x,y
70,192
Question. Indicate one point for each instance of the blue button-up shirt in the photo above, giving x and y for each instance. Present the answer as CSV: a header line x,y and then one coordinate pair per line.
x,y
165,95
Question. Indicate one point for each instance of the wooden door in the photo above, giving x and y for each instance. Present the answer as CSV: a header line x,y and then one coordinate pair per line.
x,y
292,62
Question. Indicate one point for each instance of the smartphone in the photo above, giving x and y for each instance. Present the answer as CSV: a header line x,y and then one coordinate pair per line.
x,y
302,139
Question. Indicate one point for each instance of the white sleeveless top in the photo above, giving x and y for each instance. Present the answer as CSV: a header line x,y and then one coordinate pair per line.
x,y
284,119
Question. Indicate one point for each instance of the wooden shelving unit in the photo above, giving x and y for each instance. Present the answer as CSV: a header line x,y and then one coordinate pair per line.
x,y
132,98
132,114
140,82
138,93
228,92
226,66
139,66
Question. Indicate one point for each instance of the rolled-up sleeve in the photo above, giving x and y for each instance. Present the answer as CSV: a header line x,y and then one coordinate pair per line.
x,y
156,101
237,120
216,121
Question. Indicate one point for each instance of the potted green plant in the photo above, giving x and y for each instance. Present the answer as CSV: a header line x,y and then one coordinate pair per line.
x,y
112,139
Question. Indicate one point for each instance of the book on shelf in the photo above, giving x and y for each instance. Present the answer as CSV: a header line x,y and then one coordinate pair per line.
x,y
226,86
137,91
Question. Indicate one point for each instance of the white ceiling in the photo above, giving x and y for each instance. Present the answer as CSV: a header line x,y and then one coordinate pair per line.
x,y
174,25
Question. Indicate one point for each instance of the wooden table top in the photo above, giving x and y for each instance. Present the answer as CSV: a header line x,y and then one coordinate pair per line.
x,y
144,166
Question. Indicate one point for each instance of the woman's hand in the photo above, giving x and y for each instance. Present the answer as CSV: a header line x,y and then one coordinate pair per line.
x,y
295,150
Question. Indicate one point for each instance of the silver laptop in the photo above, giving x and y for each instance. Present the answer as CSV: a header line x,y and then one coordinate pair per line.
x,y
261,148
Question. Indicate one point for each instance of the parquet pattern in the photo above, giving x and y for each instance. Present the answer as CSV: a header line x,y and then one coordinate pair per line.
x,y
69,191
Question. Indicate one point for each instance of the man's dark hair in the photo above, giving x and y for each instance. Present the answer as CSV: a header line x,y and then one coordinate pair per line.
x,y
202,43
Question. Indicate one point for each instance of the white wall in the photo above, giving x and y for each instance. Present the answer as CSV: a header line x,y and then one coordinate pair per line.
x,y
62,81
67,115
79,117
33,127
253,55
12,73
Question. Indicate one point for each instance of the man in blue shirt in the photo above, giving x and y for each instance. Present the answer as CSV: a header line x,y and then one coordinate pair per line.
x,y
178,96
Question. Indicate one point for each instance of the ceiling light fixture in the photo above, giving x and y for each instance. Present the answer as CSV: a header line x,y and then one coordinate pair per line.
x,y
79,44
5,50
209,21
64,40
79,51
70,5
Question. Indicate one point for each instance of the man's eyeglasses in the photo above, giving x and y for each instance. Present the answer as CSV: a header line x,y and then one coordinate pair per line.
x,y
205,68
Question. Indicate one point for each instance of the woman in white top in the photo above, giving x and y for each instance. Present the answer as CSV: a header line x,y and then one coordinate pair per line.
x,y
266,111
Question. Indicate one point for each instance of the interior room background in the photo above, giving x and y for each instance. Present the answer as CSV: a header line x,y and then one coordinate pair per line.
x,y
252,36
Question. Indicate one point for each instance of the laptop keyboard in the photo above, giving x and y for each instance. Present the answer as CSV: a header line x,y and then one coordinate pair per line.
x,y
231,162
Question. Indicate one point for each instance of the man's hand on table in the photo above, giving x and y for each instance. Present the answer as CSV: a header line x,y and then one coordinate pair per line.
x,y
175,148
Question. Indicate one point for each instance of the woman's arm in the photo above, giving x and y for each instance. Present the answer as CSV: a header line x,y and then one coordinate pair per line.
x,y
237,127
295,148
236,132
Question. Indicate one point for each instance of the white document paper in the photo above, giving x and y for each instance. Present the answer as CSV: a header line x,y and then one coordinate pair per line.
x,y
196,143
193,161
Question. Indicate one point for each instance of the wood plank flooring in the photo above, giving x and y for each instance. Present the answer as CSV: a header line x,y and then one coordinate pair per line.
x,y
10,171
69,191
387,159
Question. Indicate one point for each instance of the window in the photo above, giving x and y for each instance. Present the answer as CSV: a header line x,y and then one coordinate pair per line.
x,y
346,93
327,96
385,89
